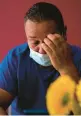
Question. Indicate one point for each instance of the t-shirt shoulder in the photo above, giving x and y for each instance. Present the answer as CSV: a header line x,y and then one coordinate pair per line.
x,y
13,55
76,52
20,49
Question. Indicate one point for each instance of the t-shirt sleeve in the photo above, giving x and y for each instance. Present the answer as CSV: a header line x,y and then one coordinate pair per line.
x,y
76,53
78,61
79,68
8,73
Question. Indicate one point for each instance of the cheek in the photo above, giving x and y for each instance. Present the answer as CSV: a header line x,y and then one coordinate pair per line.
x,y
33,47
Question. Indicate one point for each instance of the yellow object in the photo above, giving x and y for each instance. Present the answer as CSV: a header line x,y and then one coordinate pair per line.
x,y
78,92
59,96
76,109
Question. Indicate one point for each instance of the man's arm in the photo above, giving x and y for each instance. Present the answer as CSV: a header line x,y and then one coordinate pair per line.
x,y
5,100
60,55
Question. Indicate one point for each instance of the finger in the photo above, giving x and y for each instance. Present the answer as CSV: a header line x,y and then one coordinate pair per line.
x,y
54,35
59,43
56,39
50,44
47,49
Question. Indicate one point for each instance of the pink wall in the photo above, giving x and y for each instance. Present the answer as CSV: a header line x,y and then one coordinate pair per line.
x,y
12,26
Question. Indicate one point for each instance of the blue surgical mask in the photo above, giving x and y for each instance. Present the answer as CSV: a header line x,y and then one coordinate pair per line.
x,y
42,59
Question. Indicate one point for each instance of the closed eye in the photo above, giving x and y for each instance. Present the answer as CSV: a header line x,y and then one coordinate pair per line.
x,y
36,42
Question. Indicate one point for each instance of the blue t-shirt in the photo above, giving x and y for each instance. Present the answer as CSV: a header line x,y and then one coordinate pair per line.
x,y
23,78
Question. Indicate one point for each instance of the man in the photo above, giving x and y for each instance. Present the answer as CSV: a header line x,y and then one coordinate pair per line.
x,y
28,70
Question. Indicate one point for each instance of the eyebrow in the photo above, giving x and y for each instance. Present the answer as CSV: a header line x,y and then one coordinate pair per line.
x,y
32,36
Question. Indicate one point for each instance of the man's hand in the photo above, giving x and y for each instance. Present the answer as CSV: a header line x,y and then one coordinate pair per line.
x,y
2,111
58,51
60,54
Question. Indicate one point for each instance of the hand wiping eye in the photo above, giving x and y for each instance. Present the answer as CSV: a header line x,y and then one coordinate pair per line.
x,y
58,51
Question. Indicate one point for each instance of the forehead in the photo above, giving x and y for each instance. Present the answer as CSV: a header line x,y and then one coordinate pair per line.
x,y
40,27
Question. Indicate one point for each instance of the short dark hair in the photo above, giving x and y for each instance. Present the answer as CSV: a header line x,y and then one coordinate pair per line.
x,y
43,11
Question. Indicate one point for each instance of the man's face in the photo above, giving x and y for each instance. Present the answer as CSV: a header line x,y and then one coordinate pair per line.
x,y
36,32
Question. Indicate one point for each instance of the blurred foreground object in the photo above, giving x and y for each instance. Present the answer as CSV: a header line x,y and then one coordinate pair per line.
x,y
60,98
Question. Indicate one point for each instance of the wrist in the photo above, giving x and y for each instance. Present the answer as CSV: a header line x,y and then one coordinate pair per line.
x,y
71,71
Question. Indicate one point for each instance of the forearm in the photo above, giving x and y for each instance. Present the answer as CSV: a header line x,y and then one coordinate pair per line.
x,y
2,111
72,72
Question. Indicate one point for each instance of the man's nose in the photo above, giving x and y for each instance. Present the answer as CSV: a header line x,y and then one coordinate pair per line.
x,y
41,50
